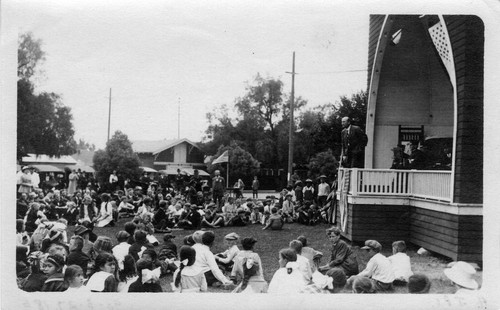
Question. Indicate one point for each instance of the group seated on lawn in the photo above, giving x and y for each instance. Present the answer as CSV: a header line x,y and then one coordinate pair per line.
x,y
90,263
47,259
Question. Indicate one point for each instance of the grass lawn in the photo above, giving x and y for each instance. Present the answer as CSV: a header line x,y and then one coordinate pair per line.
x,y
270,242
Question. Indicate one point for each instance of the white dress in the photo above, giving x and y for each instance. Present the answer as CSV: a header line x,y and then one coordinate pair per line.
x,y
285,283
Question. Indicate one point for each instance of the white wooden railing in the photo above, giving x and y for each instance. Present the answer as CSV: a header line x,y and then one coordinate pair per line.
x,y
431,184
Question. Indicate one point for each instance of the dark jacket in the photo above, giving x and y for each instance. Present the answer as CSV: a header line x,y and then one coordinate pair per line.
x,y
78,258
139,287
55,283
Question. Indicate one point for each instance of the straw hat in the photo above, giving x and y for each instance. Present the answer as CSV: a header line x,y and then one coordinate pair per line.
x,y
462,274
232,236
372,244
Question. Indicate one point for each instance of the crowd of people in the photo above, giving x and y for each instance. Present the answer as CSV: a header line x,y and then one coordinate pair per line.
x,y
50,260
90,263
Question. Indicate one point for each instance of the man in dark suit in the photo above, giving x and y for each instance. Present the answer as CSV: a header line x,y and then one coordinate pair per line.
x,y
353,145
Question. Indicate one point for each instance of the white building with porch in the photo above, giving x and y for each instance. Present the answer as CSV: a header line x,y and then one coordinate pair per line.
x,y
430,78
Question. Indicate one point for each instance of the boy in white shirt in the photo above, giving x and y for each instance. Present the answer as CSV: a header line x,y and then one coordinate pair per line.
x,y
400,263
225,260
303,262
378,268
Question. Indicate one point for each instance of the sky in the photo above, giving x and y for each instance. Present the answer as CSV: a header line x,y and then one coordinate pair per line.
x,y
157,56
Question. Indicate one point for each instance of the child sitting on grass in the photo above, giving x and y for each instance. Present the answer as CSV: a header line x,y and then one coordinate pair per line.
x,y
225,260
400,263
275,222
332,282
103,277
168,250
362,285
121,249
255,216
53,266
311,254
164,265
419,284
148,280
74,277
248,268
189,278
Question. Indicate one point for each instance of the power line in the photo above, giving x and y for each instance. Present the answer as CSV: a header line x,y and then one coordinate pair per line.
x,y
334,72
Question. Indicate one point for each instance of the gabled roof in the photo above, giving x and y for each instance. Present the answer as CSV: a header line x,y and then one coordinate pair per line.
x,y
155,147
33,158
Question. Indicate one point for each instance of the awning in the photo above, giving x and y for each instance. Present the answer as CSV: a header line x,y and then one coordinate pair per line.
x,y
83,168
190,171
147,169
47,168
169,171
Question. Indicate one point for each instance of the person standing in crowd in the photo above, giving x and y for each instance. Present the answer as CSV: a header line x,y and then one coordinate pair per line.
x,y
179,181
35,177
342,255
323,191
196,180
73,181
238,188
308,192
354,141
113,180
255,188
218,188
25,185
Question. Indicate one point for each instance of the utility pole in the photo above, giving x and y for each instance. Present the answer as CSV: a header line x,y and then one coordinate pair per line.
x,y
109,113
290,134
179,118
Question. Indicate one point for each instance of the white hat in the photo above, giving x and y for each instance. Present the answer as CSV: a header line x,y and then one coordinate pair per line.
x,y
462,274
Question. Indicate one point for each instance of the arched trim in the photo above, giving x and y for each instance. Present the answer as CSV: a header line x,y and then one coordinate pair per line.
x,y
453,81
373,89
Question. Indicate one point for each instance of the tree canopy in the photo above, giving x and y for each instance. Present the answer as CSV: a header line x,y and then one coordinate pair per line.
x,y
44,124
241,162
261,127
29,55
118,155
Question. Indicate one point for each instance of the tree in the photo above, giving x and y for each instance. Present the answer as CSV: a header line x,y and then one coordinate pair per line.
x,y
241,163
44,124
29,55
85,146
321,127
118,155
264,100
323,163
